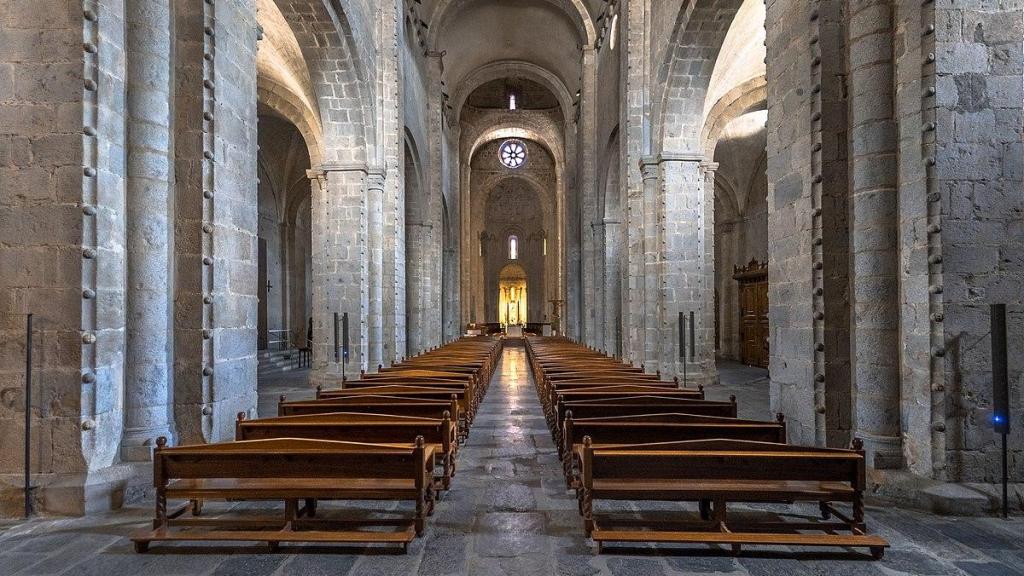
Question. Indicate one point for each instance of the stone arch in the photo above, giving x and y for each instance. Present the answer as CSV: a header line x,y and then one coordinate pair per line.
x,y
342,78
516,68
546,136
683,77
283,102
577,9
610,200
747,97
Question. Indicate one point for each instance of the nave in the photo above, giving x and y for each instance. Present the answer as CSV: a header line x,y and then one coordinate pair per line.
x,y
508,512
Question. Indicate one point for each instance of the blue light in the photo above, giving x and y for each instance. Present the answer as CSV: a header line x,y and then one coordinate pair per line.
x,y
997,418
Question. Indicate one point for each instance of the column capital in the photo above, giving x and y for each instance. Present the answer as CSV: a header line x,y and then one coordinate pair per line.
x,y
375,178
709,167
667,157
649,167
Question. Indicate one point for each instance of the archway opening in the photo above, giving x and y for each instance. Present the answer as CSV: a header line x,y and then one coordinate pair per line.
x,y
284,244
512,301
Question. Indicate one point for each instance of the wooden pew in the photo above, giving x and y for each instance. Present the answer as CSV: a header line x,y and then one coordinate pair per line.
x,y
466,406
648,430
290,470
724,471
372,404
442,433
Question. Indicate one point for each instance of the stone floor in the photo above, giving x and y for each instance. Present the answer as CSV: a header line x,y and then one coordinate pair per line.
x,y
508,513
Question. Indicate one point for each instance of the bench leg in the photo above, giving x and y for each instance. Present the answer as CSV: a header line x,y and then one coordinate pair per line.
x,y
141,546
704,506
160,519
197,507
587,508
311,507
420,523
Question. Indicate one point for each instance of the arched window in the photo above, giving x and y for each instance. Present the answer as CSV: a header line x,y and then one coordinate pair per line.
x,y
513,247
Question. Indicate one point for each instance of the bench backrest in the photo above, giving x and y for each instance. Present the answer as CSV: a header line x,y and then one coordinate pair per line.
x,y
350,426
372,403
721,459
668,428
291,458
631,405
441,392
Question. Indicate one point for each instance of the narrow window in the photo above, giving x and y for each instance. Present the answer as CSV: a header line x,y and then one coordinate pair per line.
x,y
513,248
614,35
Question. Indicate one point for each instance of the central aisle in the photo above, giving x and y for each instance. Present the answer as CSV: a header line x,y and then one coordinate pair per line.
x,y
508,511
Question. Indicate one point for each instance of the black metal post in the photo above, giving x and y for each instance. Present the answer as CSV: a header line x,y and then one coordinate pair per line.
x,y
344,344
693,338
337,353
682,343
1006,481
1000,388
28,416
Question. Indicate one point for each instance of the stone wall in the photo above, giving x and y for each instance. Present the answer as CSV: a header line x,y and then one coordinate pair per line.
x,y
975,237
61,214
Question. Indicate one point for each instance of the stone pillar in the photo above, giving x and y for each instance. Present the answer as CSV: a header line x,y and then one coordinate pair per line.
x,y
613,255
873,232
683,280
637,223
374,240
216,217
707,232
147,373
590,293
339,270
62,235
807,216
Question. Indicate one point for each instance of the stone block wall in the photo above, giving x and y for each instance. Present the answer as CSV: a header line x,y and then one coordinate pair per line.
x,y
972,127
62,165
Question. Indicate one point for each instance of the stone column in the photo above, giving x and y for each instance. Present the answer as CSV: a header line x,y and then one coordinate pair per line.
x,y
683,280
644,274
339,270
707,231
590,294
146,394
613,254
873,142
375,250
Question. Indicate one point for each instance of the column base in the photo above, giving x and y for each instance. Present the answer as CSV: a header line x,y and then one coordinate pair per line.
x,y
331,376
139,446
882,452
77,494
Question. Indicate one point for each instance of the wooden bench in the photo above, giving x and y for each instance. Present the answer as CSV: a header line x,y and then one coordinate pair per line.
x,y
467,408
724,471
288,470
442,432
651,431
372,404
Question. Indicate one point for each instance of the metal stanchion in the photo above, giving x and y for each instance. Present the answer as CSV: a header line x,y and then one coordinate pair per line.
x,y
28,416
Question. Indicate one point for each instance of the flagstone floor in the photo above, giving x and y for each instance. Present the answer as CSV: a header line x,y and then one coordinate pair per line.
x,y
509,513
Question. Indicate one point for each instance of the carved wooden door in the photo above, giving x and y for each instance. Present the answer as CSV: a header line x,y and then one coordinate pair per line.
x,y
753,296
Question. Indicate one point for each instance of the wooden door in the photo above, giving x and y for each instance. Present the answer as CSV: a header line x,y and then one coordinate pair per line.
x,y
262,334
753,296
